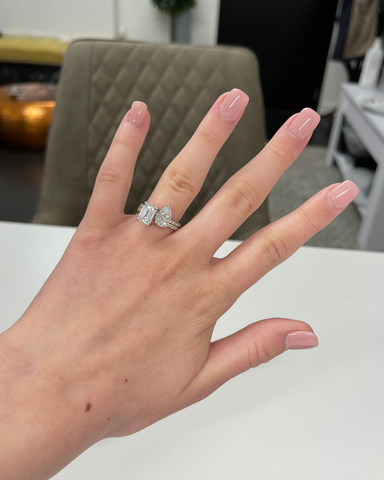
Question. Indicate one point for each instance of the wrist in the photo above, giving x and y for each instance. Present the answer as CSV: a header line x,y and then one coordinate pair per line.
x,y
43,425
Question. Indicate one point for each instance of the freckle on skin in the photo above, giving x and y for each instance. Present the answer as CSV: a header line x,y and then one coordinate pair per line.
x,y
108,418
126,380
88,407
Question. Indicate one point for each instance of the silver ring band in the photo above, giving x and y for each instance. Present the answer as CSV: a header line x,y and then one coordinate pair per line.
x,y
148,213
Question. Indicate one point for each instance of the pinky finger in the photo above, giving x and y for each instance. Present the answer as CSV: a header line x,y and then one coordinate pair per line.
x,y
276,242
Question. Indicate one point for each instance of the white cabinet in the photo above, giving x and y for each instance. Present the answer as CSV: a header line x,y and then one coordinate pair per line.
x,y
370,129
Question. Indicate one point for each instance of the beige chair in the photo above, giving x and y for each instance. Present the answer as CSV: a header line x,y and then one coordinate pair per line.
x,y
100,80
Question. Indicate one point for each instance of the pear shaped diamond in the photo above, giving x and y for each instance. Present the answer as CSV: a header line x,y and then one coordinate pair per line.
x,y
163,216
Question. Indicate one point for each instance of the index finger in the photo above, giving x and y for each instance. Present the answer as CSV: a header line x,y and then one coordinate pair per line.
x,y
114,179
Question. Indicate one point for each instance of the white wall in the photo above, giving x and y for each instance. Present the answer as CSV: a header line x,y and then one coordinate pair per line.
x,y
57,18
140,20
68,19
205,22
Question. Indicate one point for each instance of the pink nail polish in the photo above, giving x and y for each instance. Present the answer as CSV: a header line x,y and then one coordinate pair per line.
x,y
343,194
299,340
137,113
233,105
304,124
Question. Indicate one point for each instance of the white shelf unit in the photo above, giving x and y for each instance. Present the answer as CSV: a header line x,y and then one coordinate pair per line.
x,y
370,129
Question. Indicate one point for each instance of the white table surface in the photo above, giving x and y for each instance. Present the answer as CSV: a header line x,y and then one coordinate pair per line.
x,y
307,415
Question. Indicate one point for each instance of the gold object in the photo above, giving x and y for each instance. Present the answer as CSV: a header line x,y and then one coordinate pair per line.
x,y
25,114
34,50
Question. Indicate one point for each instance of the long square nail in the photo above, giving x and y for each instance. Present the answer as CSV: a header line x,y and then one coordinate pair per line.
x,y
301,339
233,105
304,124
136,115
343,194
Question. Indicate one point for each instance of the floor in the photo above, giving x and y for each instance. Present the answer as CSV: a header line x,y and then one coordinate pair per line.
x,y
21,176
302,180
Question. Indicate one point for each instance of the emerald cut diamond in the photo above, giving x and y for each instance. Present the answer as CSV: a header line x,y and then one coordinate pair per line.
x,y
147,214
163,216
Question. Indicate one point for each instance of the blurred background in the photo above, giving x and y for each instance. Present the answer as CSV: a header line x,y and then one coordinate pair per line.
x,y
305,52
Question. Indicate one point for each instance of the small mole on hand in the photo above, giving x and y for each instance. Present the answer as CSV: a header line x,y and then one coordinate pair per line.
x,y
88,407
108,418
126,380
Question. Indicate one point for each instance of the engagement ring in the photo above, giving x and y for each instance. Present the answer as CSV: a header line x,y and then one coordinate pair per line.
x,y
148,213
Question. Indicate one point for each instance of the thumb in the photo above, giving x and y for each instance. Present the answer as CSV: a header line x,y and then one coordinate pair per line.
x,y
248,348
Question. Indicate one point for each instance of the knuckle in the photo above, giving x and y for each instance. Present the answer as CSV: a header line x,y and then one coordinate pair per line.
x,y
275,251
225,292
279,151
244,196
210,137
258,353
88,240
175,267
109,176
210,297
181,182
123,141
311,220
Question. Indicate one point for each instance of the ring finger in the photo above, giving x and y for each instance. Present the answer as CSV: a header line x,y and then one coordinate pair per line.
x,y
183,178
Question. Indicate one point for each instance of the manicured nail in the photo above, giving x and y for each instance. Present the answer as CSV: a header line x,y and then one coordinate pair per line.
x,y
137,113
298,340
304,124
233,105
343,194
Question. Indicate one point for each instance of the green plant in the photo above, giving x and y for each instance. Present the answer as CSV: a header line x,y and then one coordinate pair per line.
x,y
174,7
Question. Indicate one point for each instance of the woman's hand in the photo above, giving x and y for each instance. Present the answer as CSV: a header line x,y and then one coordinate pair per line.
x,y
120,335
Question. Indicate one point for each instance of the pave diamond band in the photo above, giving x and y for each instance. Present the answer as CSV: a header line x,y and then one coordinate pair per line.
x,y
149,213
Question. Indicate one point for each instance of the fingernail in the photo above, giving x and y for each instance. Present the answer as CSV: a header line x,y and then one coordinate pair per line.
x,y
343,194
137,113
304,124
298,340
233,105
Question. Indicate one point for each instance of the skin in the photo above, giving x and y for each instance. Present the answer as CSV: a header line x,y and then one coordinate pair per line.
x,y
119,336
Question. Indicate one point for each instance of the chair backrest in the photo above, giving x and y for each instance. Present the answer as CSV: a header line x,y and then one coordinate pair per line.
x,y
179,83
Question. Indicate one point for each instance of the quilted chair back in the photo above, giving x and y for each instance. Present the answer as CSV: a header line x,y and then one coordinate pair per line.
x,y
179,83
